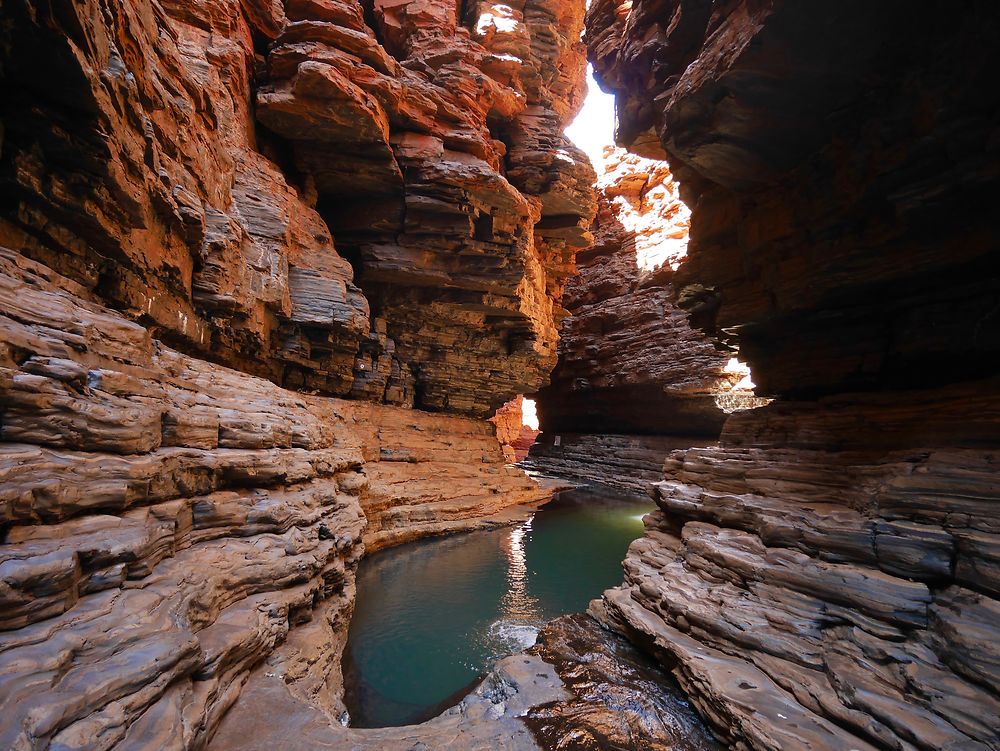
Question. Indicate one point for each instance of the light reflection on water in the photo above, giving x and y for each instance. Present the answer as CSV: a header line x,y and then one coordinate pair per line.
x,y
522,614
433,616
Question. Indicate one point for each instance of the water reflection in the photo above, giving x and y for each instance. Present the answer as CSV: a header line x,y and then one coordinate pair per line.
x,y
432,617
522,614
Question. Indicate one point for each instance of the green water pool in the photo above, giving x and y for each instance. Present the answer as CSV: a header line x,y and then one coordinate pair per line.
x,y
433,616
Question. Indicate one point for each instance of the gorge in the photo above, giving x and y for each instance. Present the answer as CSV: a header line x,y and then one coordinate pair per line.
x,y
277,276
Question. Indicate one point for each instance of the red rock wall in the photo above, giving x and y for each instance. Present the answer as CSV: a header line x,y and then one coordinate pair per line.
x,y
508,423
195,164
217,218
825,578
514,435
525,439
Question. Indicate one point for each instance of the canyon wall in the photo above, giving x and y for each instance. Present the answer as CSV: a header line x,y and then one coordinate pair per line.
x,y
513,432
194,164
826,576
264,268
167,522
635,379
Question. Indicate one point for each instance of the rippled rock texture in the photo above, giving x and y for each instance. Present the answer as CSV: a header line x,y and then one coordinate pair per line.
x,y
169,523
827,599
825,577
218,217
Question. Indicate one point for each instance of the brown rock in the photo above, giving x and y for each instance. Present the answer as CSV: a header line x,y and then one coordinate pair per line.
x,y
135,166
170,523
619,698
514,435
463,259
629,360
634,379
802,578
828,229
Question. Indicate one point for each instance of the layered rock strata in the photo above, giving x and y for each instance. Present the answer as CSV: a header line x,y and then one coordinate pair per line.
x,y
839,163
825,577
167,523
217,218
635,379
618,697
823,598
513,432
429,144
622,462
581,687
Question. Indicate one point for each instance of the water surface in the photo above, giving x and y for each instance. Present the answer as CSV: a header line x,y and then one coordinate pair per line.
x,y
433,616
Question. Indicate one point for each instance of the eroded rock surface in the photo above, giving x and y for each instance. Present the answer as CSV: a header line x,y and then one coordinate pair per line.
x,y
195,164
582,687
217,219
513,433
815,598
168,523
839,163
635,378
824,577
488,718
618,698
630,361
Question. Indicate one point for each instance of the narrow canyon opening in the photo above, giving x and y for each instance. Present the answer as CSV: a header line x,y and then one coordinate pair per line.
x,y
369,382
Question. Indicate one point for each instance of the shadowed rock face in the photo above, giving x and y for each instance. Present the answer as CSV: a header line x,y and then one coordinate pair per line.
x,y
630,361
840,164
825,577
635,378
618,698
218,216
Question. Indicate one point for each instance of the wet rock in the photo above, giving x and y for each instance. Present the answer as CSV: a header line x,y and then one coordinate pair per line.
x,y
620,699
